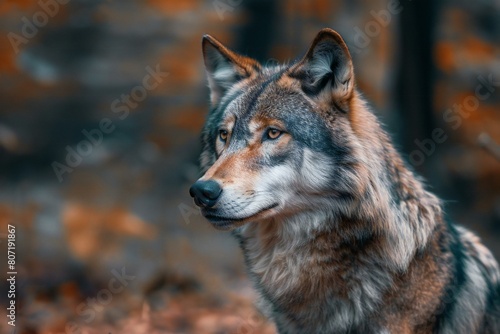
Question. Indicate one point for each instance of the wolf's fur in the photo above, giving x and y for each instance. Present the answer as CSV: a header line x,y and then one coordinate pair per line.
x,y
339,236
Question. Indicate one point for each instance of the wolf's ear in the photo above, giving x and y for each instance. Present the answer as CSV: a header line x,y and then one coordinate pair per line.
x,y
224,67
326,70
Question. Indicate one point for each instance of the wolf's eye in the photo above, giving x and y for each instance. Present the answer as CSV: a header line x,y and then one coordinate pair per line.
x,y
273,133
223,135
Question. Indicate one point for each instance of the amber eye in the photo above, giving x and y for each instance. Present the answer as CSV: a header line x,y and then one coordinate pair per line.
x,y
223,135
273,133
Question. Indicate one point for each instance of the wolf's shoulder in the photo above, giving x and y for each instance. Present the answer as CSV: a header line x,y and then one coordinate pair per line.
x,y
478,252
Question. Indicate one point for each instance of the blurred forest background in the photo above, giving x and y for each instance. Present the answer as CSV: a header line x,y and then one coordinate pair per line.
x,y
113,243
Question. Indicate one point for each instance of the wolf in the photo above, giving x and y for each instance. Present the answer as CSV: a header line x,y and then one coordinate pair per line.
x,y
338,234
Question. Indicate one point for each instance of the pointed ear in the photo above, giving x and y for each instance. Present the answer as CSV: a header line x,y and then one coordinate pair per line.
x,y
225,67
326,70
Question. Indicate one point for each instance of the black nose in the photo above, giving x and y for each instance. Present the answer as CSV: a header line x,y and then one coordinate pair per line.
x,y
205,193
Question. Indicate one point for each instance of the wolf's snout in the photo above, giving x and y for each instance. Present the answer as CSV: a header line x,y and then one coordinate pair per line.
x,y
205,193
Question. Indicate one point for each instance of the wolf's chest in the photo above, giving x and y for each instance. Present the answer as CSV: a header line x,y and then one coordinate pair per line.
x,y
301,286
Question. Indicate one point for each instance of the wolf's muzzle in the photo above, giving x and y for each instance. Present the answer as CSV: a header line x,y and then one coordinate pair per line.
x,y
205,193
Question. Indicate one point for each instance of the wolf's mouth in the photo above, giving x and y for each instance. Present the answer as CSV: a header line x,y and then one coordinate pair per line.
x,y
227,221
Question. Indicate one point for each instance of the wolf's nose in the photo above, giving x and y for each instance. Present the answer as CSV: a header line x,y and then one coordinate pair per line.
x,y
205,193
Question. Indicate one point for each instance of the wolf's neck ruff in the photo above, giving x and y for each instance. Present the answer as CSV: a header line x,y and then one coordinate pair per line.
x,y
389,198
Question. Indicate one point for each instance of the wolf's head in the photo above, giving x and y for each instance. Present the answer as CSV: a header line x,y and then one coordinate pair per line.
x,y
278,140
